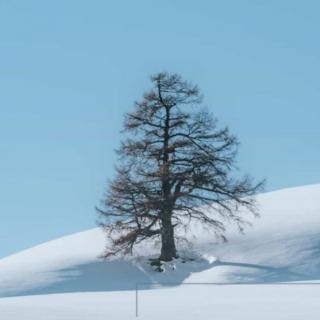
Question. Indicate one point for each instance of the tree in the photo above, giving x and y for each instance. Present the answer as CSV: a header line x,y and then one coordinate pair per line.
x,y
175,164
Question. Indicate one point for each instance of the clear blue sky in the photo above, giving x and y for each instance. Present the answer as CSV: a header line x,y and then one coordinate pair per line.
x,y
69,70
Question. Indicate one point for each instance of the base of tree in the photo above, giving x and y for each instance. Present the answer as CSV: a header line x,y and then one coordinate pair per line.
x,y
168,258
160,265
157,264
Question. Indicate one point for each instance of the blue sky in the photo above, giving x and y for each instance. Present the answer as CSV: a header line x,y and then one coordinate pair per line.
x,y
69,70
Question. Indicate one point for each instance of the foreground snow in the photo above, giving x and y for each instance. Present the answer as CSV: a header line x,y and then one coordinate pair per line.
x,y
263,302
66,279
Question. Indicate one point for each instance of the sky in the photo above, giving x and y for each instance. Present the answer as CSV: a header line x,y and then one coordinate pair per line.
x,y
70,70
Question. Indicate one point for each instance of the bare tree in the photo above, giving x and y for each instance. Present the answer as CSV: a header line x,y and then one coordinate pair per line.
x,y
175,163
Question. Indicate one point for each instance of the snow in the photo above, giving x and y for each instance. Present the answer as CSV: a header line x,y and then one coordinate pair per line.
x,y
67,279
194,302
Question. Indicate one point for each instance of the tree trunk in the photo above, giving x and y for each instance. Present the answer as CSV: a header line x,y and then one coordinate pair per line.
x,y
168,249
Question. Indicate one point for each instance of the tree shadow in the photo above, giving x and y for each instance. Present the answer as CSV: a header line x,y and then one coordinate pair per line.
x,y
256,273
101,276
91,277
122,275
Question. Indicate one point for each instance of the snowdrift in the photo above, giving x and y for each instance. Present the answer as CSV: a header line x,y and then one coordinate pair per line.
x,y
282,245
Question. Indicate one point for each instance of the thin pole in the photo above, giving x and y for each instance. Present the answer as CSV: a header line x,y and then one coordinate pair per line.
x,y
137,310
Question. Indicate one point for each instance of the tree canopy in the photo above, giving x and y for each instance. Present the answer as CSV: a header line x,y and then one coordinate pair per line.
x,y
175,163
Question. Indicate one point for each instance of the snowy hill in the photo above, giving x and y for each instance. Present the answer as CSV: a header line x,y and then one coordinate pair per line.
x,y
283,245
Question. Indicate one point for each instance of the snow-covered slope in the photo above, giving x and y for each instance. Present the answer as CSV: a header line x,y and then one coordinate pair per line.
x,y
282,245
